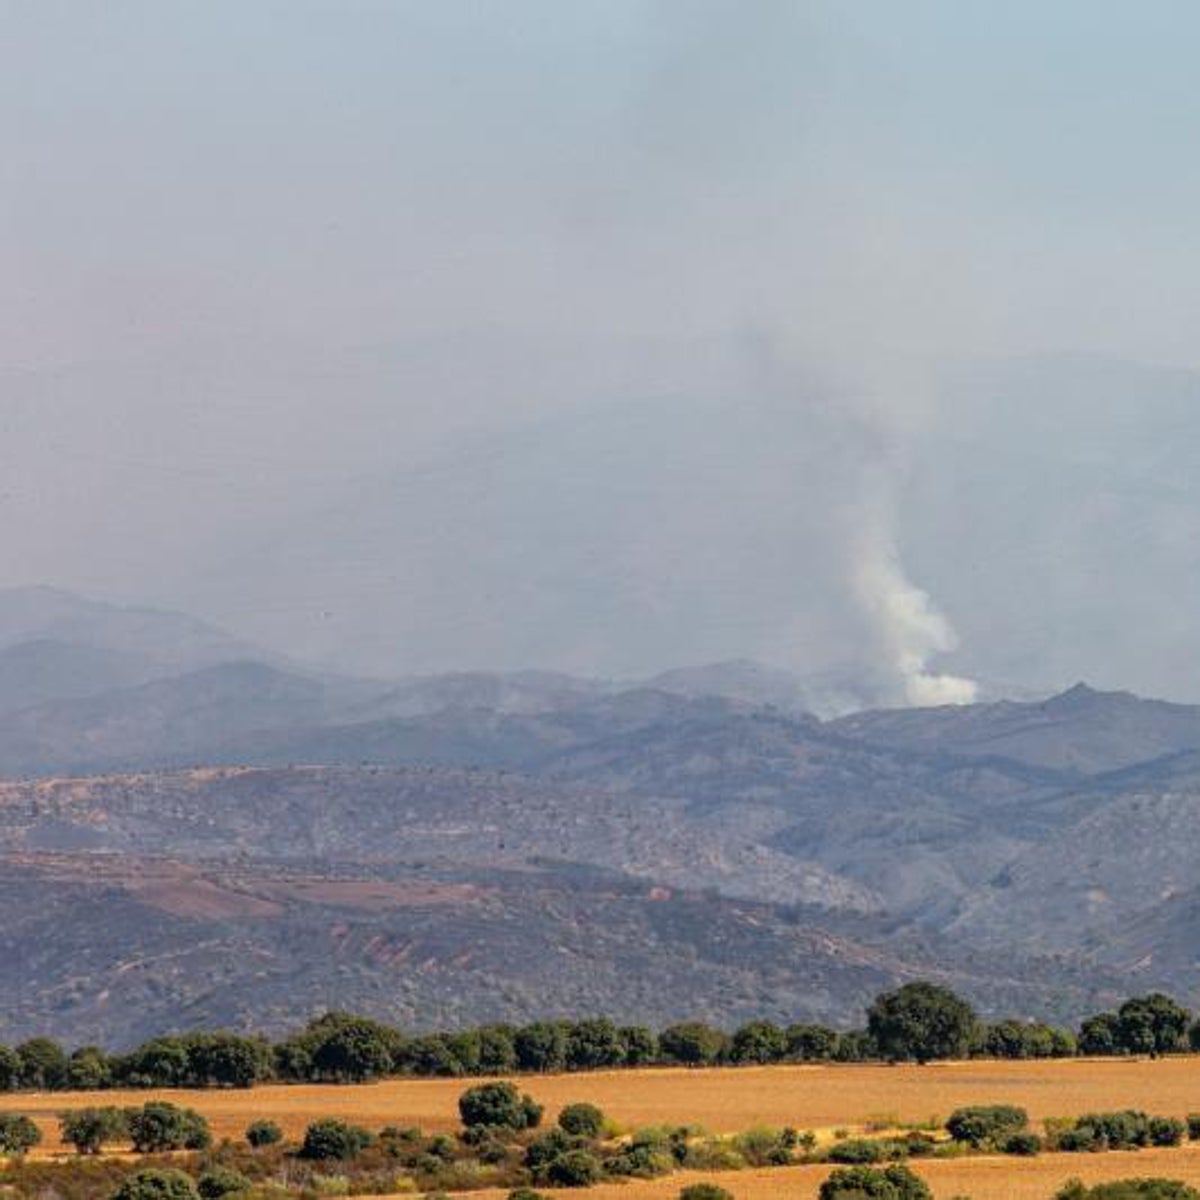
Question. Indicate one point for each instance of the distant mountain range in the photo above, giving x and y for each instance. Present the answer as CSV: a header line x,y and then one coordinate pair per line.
x,y
197,833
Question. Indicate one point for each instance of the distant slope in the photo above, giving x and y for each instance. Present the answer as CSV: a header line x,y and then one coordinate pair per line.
x,y
1081,730
117,950
42,670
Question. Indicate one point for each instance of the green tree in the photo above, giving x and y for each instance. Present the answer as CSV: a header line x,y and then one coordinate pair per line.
x,y
498,1106
18,1134
43,1064
227,1060
349,1049
692,1043
10,1069
921,1022
89,1130
1100,1035
758,1042
162,1062
497,1050
541,1046
810,1043
639,1045
1152,1024
88,1069
329,1139
156,1184
593,1044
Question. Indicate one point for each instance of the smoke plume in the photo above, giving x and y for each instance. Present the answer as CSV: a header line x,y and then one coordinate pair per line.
x,y
910,628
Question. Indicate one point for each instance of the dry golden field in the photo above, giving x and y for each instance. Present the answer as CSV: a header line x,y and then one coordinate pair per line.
x,y
724,1101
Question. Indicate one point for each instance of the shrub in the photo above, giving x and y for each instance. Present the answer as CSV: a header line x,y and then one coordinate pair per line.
x,y
1116,1130
857,1150
153,1184
1023,1143
553,1143
1166,1131
704,1191
88,1129
331,1139
576,1168
871,1183
498,1106
645,1160
1193,1127
221,1181
160,1126
263,1133
582,1120
985,1124
524,1193
18,1134
763,1147
1128,1189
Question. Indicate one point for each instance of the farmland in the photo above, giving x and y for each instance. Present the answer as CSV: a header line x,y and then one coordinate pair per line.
x,y
819,1098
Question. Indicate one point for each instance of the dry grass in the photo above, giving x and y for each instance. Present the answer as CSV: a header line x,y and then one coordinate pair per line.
x,y
726,1101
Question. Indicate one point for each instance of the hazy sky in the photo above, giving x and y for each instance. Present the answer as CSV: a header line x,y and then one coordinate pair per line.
x,y
608,334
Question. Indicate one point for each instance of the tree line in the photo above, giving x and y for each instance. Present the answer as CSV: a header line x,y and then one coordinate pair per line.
x,y
918,1022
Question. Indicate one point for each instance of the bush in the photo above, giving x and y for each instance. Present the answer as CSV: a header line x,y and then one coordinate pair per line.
x,y
1023,1143
160,1126
576,1168
18,1134
763,1147
1193,1127
330,1139
582,1120
157,1185
221,1181
89,1129
870,1183
524,1193
1120,1130
498,1106
985,1124
644,1160
263,1133
1166,1131
857,1150
704,1191
1128,1189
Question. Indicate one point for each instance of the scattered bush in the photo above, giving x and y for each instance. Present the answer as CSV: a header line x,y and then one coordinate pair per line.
x,y
582,1120
330,1139
498,1106
154,1184
221,1181
985,1124
1024,1144
263,1133
1166,1131
1128,1189
1193,1127
90,1129
704,1191
857,1151
575,1169
871,1183
160,1126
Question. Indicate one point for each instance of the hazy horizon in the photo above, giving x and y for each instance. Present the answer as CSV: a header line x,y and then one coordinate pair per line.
x,y
614,337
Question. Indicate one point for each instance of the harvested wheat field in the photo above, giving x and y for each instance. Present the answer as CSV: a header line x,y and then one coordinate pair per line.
x,y
820,1098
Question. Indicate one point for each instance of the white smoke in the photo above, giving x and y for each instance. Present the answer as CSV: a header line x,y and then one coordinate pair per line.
x,y
910,628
